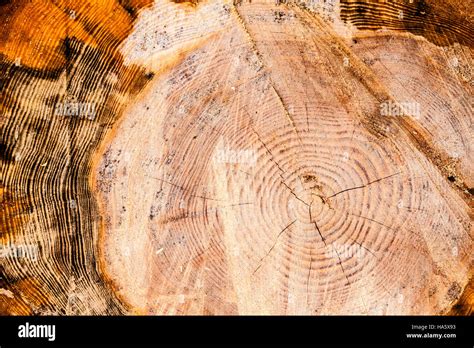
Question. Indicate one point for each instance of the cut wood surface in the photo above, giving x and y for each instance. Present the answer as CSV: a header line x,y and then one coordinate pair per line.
x,y
263,157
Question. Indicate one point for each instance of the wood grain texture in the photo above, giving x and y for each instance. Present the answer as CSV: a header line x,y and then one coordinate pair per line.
x,y
46,158
238,159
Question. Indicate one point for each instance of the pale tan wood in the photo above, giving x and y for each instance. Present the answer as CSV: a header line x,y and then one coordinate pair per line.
x,y
342,212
